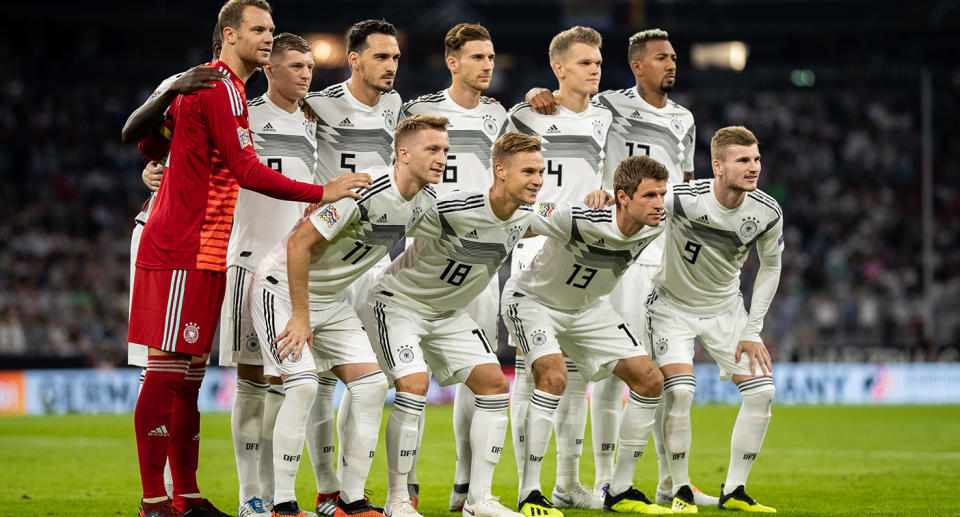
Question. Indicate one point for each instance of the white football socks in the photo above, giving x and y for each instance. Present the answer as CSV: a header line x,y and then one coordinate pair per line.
x,y
634,431
750,429
519,404
678,391
271,406
487,432
463,409
246,425
320,437
540,419
343,414
606,405
571,422
288,433
665,482
361,432
403,430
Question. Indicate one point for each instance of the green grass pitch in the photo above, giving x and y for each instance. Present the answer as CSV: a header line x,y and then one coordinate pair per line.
x,y
816,461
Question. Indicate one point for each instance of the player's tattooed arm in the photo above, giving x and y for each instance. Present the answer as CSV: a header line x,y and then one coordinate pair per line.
x,y
152,174
542,101
298,333
149,115
759,357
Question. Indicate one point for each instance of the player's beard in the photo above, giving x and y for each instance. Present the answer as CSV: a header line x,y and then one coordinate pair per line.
x,y
665,87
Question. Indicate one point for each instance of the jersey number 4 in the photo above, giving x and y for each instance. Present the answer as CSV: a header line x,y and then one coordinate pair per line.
x,y
455,273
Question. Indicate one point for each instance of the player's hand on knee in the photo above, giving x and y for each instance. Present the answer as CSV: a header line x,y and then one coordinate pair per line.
x,y
152,174
342,186
542,101
599,199
758,355
294,337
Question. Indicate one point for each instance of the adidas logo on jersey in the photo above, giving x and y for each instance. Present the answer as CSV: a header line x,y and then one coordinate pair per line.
x,y
472,234
703,219
599,243
636,114
553,130
346,123
268,128
382,219
160,431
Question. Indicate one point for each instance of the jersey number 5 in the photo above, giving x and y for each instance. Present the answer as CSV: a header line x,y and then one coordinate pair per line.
x,y
455,273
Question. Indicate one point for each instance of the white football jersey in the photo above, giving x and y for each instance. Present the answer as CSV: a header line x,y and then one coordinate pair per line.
x,y
668,135
573,146
352,136
457,250
707,244
583,258
358,233
471,132
286,143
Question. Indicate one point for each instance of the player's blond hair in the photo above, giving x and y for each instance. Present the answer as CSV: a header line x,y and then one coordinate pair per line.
x,y
638,42
562,42
511,143
460,34
285,41
231,14
632,171
412,125
727,136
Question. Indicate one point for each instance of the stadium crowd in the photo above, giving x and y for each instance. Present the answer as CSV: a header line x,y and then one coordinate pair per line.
x,y
843,163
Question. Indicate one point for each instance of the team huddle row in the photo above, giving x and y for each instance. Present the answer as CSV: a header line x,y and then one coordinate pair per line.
x,y
619,261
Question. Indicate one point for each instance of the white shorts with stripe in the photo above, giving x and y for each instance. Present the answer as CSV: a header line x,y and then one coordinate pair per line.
x,y
594,338
238,340
407,343
671,331
338,336
630,293
356,293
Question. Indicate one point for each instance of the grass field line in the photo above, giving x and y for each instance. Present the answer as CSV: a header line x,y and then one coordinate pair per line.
x,y
799,452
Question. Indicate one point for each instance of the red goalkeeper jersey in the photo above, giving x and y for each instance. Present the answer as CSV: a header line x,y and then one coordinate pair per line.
x,y
211,157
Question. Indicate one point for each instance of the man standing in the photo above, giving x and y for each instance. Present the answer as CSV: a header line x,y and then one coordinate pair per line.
x,y
356,119
415,315
645,123
573,143
285,141
181,261
298,287
696,294
475,122
556,304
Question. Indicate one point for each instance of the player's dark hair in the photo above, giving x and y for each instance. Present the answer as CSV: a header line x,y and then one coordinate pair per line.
x,y
632,171
231,14
411,125
727,136
217,43
512,143
460,34
638,42
358,33
285,41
